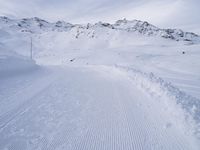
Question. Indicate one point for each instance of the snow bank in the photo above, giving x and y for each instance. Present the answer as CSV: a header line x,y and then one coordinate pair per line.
x,y
180,105
13,64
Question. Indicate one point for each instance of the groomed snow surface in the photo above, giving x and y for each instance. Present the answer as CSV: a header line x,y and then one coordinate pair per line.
x,y
95,94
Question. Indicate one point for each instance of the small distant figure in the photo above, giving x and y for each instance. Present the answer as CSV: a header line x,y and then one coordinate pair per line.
x,y
183,52
72,59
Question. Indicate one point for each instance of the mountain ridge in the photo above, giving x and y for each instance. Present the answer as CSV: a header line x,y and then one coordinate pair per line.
x,y
37,25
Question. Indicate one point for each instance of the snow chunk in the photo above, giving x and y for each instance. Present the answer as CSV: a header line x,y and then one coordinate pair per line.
x,y
172,97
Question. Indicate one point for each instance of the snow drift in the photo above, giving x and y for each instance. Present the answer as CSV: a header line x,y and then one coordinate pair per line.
x,y
13,64
179,104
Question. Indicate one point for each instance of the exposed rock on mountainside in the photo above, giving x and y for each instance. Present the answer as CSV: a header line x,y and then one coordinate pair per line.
x,y
37,25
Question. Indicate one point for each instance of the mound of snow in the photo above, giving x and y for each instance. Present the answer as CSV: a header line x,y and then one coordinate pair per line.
x,y
172,98
12,63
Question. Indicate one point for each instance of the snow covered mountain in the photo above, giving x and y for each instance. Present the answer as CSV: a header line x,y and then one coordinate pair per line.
x,y
127,85
37,25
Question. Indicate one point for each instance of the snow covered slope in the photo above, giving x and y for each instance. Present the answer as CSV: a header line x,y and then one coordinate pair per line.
x,y
85,108
37,25
127,85
12,64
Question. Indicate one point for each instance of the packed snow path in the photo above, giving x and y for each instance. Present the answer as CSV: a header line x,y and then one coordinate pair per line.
x,y
83,109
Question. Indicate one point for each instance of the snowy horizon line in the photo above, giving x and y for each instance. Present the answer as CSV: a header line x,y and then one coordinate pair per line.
x,y
92,23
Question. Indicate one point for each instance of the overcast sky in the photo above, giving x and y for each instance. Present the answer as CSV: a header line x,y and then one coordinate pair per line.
x,y
183,14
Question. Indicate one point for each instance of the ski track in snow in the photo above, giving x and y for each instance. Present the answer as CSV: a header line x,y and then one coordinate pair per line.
x,y
86,108
158,88
91,103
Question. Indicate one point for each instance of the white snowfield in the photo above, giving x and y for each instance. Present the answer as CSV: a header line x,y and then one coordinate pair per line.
x,y
118,91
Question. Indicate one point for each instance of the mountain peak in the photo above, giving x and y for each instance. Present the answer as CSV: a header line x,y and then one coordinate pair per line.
x,y
37,25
